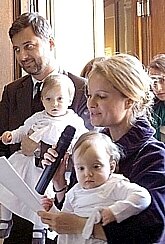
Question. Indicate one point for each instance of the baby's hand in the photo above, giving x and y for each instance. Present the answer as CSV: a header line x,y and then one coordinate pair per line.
x,y
47,203
6,137
107,216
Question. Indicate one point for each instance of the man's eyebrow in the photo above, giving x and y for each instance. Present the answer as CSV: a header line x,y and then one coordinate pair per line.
x,y
24,43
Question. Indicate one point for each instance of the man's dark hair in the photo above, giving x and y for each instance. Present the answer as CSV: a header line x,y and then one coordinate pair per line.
x,y
38,23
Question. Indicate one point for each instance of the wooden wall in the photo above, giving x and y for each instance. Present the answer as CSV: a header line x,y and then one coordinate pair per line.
x,y
150,38
6,51
158,26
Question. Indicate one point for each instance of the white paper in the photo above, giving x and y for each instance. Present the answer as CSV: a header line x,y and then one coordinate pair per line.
x,y
17,196
10,179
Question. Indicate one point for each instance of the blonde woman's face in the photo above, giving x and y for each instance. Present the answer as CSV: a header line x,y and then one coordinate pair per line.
x,y
106,104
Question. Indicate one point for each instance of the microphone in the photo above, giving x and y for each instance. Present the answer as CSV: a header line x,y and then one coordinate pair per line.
x,y
62,146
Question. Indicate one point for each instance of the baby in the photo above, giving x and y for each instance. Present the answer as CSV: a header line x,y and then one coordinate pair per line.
x,y
43,127
100,195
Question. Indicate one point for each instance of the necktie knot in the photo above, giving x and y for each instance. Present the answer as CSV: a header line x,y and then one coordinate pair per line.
x,y
38,87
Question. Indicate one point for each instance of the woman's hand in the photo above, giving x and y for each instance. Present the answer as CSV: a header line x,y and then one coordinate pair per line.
x,y
63,223
67,223
47,203
50,156
59,176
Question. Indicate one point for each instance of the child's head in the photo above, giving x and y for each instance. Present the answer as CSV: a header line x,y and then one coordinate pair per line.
x,y
57,94
157,73
95,157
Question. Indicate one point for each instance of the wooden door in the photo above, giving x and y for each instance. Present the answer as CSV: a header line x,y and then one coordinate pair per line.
x,y
121,31
136,27
157,26
149,28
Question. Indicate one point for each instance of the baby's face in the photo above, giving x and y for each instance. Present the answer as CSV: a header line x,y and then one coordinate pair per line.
x,y
93,166
56,100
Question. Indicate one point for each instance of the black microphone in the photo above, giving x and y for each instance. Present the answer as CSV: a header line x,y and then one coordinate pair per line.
x,y
62,146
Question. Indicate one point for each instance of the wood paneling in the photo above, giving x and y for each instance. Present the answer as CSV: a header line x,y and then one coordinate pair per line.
x,y
158,26
149,31
6,51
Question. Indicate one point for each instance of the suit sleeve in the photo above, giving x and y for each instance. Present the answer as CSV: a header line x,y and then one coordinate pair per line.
x,y
4,118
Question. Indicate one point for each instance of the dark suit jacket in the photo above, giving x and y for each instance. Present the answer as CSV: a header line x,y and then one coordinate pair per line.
x,y
16,106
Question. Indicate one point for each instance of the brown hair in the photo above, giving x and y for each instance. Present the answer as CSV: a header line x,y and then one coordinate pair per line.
x,y
89,138
158,62
52,80
87,68
38,23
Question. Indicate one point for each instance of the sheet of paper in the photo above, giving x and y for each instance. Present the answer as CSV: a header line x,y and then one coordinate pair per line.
x,y
10,179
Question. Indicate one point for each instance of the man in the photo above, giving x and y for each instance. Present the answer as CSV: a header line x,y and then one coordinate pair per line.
x,y
33,45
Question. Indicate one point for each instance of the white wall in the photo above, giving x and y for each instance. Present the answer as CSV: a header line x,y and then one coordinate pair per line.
x,y
79,30
74,33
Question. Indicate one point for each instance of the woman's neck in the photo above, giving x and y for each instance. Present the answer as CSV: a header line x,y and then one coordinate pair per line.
x,y
117,131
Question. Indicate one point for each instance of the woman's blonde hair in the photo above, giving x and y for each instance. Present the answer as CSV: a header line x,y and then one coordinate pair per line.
x,y
53,80
89,138
126,73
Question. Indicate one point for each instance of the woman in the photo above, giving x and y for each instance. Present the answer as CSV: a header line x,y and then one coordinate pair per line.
x,y
119,99
157,73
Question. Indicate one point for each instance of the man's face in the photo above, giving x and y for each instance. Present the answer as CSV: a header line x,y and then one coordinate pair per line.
x,y
32,53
